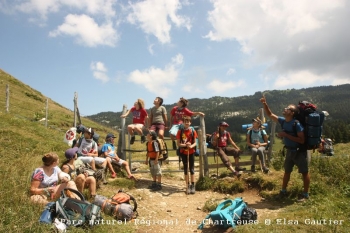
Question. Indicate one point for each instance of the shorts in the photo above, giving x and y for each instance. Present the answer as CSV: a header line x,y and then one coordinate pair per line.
x,y
174,129
298,158
140,126
88,159
120,162
157,126
155,168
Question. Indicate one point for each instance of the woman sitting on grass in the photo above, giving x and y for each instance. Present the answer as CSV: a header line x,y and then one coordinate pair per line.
x,y
44,182
83,181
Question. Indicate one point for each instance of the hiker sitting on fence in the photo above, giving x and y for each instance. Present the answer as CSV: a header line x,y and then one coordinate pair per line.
x,y
176,115
83,181
257,142
139,120
220,139
109,151
88,151
158,119
44,182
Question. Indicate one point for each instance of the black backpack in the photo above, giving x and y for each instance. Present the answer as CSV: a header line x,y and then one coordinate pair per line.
x,y
74,212
249,216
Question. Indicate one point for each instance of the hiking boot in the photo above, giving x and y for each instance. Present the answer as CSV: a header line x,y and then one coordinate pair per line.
x,y
266,170
240,168
152,186
174,145
132,140
236,173
252,168
282,195
303,197
188,191
157,187
143,139
192,189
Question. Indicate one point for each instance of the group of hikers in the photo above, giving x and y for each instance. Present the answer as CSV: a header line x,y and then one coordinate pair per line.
x,y
45,183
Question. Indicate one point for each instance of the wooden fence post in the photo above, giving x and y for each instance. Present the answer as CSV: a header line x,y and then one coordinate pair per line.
x,y
75,109
47,110
7,97
121,141
201,150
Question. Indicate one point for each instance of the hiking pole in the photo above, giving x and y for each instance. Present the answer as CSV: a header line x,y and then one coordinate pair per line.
x,y
188,170
217,163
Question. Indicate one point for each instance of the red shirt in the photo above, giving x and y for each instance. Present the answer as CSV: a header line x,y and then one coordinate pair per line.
x,y
222,140
138,116
179,113
186,137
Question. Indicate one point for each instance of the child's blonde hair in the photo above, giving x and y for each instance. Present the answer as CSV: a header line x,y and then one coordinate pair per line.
x,y
141,103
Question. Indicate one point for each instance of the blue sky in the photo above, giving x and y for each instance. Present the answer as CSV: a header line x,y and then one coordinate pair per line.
x,y
112,52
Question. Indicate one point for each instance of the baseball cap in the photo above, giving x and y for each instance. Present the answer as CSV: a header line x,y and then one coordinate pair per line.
x,y
70,153
223,123
110,135
153,134
256,120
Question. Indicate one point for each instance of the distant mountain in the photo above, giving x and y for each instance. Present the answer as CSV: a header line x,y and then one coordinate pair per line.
x,y
237,111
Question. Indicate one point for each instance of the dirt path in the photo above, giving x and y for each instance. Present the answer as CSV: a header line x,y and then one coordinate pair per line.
x,y
171,210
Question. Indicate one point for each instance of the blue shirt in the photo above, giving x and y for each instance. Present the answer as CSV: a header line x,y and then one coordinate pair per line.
x,y
288,128
109,148
257,136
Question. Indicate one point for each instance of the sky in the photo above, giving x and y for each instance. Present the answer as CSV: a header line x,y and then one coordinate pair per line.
x,y
112,52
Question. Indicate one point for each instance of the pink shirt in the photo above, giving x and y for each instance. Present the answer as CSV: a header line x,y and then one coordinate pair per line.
x,y
222,140
179,113
138,116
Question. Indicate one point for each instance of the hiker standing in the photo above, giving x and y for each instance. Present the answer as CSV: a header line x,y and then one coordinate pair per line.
x,y
176,115
158,119
257,142
296,153
186,141
139,116
221,137
152,156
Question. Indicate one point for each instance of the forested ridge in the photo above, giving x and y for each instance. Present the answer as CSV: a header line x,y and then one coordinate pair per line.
x,y
237,111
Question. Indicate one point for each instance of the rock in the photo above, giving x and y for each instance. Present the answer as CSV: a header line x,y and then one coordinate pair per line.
x,y
199,208
135,166
168,211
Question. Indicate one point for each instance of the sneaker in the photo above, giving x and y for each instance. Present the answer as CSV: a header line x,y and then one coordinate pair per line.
x,y
114,175
143,138
132,140
302,197
157,187
174,145
192,189
152,186
266,170
253,168
240,168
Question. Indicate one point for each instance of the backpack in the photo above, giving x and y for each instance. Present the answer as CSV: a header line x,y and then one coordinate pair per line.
x,y
212,140
163,153
249,216
74,212
327,147
118,206
196,153
261,131
312,121
226,213
98,174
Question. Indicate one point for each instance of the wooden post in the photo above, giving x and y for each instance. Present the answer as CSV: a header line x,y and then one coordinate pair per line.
x,y
75,109
122,135
272,140
7,97
47,110
204,147
201,151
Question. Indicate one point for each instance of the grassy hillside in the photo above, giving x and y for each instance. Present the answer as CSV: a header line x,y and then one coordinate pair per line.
x,y
24,141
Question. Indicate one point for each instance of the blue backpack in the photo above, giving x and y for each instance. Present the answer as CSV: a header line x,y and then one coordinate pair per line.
x,y
226,213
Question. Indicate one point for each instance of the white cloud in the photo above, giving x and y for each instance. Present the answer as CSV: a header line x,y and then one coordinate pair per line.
x,y
230,71
42,7
289,38
218,86
157,16
157,80
86,31
99,71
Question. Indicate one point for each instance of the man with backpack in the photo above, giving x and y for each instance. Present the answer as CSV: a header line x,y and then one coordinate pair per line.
x,y
294,141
